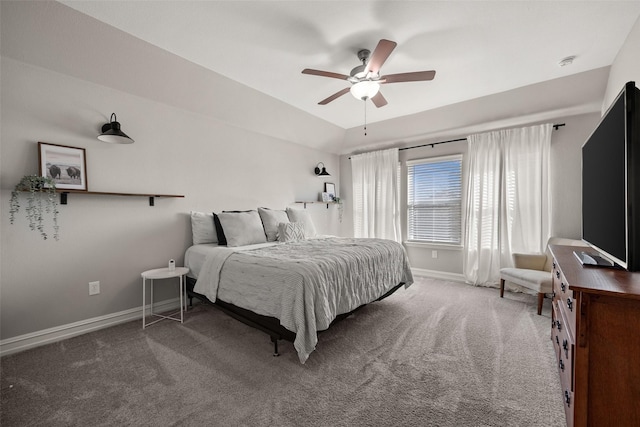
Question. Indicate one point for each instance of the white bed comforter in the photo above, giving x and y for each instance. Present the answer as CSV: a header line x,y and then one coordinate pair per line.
x,y
308,283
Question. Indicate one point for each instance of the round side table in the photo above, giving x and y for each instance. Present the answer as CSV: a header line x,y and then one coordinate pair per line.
x,y
163,273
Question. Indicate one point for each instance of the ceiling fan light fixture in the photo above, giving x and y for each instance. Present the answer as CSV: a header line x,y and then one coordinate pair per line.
x,y
365,89
366,78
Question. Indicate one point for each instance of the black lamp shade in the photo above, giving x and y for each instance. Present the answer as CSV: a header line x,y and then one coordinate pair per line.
x,y
112,134
321,172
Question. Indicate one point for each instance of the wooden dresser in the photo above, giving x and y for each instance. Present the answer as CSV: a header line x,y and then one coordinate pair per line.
x,y
596,336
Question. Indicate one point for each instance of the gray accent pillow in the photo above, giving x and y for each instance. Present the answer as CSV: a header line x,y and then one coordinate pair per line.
x,y
270,220
290,231
299,215
242,228
202,228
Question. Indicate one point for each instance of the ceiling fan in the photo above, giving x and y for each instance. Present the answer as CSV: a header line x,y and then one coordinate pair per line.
x,y
366,79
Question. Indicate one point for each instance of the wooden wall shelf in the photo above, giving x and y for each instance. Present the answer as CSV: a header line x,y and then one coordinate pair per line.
x,y
323,203
64,193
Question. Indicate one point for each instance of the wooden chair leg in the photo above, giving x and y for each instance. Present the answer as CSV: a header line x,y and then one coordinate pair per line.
x,y
540,300
501,288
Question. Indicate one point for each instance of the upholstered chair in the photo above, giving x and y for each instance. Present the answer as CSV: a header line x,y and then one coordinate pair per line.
x,y
533,271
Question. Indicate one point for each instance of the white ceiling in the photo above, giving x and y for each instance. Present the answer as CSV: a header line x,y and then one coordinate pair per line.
x,y
478,48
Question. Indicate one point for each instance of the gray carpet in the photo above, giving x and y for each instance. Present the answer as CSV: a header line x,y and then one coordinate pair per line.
x,y
437,354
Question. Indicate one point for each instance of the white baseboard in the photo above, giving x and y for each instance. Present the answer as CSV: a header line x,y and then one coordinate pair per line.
x,y
59,333
444,275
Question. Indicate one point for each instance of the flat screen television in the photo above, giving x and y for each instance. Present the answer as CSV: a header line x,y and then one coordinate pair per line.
x,y
611,182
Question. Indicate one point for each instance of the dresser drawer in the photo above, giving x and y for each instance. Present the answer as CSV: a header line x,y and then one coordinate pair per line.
x,y
564,347
555,335
569,304
564,297
555,276
567,398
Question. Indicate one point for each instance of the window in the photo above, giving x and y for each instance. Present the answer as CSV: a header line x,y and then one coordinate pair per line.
x,y
434,200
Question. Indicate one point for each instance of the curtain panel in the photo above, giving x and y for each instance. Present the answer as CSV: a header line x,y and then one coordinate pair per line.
x,y
508,199
376,196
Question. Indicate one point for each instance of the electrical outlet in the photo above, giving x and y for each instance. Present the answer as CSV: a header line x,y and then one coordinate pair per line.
x,y
434,254
94,288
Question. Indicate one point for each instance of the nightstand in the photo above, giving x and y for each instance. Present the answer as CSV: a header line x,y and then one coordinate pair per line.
x,y
163,273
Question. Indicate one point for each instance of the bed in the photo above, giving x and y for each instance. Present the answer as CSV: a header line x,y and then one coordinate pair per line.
x,y
294,289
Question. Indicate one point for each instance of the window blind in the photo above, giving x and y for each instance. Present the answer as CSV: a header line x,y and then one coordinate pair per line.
x,y
434,200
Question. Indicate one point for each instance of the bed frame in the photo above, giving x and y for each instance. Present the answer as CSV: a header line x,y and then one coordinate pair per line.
x,y
268,325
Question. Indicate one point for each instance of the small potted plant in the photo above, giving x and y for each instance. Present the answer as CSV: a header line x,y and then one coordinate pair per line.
x,y
41,199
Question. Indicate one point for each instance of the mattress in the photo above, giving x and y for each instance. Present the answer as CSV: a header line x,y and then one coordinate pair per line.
x,y
304,284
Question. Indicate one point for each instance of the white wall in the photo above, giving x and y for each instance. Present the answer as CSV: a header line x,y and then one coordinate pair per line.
x,y
625,68
215,151
113,239
564,96
56,37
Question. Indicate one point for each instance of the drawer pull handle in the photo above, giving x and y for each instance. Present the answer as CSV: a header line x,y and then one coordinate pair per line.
x,y
570,304
565,346
567,398
561,365
554,265
563,287
557,340
557,274
558,325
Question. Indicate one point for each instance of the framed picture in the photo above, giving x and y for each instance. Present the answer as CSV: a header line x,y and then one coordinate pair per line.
x,y
66,166
326,197
330,188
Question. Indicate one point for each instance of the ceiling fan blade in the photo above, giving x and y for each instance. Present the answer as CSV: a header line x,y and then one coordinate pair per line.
x,y
380,55
334,96
379,100
417,76
325,74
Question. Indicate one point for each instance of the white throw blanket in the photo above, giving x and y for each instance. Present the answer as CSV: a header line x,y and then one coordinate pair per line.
x,y
209,277
324,278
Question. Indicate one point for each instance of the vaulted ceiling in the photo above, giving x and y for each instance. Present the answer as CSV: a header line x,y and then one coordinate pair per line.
x,y
478,48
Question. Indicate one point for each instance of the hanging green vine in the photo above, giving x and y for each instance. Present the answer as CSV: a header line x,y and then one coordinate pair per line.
x,y
338,200
41,199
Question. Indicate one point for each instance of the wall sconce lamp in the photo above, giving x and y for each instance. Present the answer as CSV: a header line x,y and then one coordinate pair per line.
x,y
112,134
321,172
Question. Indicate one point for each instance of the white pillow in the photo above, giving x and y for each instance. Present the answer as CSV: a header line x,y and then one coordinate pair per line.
x,y
202,228
290,231
270,220
242,228
299,215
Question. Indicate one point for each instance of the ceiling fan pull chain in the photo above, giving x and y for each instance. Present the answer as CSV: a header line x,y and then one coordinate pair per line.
x,y
365,117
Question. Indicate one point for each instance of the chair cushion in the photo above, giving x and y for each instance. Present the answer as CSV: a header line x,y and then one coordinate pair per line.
x,y
530,261
539,281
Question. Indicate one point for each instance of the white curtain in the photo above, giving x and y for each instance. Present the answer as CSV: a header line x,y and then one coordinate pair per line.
x,y
376,198
508,199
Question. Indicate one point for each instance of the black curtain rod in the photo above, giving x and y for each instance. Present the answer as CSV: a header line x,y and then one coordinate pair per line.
x,y
431,144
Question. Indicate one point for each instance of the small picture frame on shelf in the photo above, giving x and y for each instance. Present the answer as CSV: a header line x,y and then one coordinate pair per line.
x,y
65,165
330,188
326,197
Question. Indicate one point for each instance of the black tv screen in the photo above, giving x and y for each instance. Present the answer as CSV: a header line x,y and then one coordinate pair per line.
x,y
610,193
